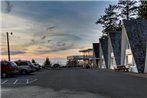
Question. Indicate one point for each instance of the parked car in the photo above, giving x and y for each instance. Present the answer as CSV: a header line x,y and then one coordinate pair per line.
x,y
8,68
56,66
37,66
25,67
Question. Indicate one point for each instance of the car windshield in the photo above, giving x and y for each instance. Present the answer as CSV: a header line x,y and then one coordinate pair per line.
x,y
13,64
29,63
4,63
21,63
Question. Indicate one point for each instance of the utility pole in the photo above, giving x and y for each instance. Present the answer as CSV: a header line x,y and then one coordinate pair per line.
x,y
9,59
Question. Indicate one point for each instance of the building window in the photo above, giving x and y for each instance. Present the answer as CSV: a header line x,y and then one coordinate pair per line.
x,y
129,59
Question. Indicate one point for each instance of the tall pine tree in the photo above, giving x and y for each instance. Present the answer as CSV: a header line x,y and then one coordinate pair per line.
x,y
47,63
142,13
109,20
33,61
128,9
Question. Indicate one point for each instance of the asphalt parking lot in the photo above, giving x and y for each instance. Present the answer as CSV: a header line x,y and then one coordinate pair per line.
x,y
75,83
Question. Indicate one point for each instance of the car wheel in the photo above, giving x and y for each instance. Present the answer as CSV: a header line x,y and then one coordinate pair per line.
x,y
24,72
4,75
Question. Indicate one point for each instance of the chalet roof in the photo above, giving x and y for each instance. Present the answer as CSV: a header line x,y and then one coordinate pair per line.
x,y
115,39
86,50
96,49
136,31
104,45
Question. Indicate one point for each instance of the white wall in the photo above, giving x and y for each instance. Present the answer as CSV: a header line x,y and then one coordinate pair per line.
x,y
94,59
123,46
109,52
100,54
102,61
113,61
110,56
133,68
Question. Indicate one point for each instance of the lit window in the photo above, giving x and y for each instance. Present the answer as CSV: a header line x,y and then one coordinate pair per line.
x,y
130,59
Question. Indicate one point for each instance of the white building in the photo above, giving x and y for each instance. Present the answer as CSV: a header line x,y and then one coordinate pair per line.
x,y
87,56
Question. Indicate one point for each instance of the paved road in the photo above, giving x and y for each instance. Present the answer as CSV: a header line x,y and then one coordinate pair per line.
x,y
76,83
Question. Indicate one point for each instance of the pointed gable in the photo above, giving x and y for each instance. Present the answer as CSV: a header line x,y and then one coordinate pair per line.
x,y
96,49
137,36
104,46
115,38
96,52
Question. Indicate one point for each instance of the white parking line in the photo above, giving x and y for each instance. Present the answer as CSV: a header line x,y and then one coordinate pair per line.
x,y
33,80
15,81
27,81
19,81
4,82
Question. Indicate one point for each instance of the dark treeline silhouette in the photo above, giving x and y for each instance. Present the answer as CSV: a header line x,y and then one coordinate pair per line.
x,y
125,9
47,63
33,61
142,12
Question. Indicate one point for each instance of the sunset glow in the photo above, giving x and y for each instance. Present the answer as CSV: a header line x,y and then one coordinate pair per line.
x,y
49,29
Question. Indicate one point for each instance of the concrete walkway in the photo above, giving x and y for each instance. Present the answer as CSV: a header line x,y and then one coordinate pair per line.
x,y
143,75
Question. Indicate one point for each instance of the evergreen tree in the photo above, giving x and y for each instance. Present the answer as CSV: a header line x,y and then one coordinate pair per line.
x,y
109,20
128,9
142,13
33,61
47,63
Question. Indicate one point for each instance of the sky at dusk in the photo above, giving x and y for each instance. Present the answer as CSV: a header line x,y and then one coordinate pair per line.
x,y
50,29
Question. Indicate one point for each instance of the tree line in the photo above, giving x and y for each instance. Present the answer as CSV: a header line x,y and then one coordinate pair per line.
x,y
125,9
46,63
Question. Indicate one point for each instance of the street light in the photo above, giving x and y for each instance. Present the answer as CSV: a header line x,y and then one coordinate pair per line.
x,y
8,45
